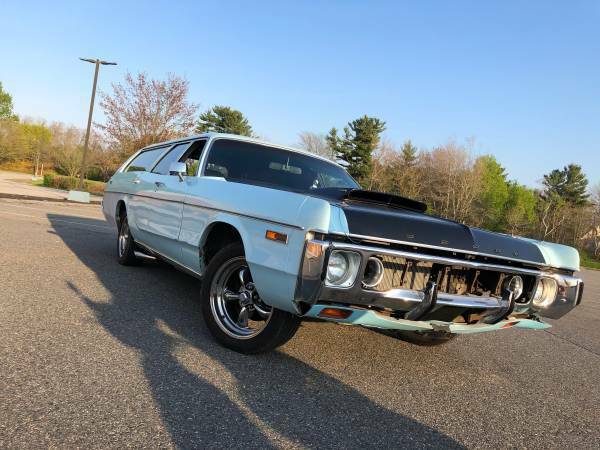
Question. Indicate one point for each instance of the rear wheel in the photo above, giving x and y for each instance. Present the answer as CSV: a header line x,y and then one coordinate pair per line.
x,y
423,338
234,312
126,245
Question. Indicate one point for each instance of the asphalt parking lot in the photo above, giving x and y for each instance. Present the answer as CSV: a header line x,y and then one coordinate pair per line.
x,y
93,354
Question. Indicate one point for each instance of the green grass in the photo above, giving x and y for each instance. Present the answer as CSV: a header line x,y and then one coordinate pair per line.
x,y
589,261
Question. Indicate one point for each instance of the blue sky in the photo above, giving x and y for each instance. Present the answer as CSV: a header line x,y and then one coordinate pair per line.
x,y
521,78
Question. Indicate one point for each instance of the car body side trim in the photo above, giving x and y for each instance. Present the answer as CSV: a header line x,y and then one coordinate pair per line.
x,y
210,208
180,266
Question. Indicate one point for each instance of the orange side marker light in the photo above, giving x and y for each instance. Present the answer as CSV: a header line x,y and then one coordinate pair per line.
x,y
335,313
277,237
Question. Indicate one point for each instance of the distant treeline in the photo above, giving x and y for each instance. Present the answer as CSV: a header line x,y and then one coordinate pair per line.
x,y
454,183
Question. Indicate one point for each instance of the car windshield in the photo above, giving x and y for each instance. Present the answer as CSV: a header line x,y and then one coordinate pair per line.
x,y
247,162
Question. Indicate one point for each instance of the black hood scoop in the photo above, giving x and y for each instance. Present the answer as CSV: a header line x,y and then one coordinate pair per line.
x,y
382,198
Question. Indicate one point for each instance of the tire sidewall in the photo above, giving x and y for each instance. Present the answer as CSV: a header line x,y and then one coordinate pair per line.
x,y
281,326
128,257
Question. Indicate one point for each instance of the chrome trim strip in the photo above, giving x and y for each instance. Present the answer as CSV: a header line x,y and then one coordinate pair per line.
x,y
262,219
178,265
458,301
447,249
435,259
283,224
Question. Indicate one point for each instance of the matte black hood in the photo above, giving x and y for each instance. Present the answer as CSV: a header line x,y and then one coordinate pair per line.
x,y
406,224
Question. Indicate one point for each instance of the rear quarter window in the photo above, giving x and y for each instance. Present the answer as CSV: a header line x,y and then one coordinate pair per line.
x,y
145,160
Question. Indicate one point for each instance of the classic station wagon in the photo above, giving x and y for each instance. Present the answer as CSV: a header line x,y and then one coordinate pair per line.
x,y
277,235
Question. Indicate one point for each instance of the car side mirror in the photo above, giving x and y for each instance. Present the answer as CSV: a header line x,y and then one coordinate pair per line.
x,y
179,169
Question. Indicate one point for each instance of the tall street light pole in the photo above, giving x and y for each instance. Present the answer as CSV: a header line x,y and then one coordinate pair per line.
x,y
97,62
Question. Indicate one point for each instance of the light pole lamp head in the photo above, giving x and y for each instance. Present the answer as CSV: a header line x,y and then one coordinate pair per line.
x,y
99,61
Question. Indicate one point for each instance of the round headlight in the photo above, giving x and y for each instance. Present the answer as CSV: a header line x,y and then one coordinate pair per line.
x,y
515,285
342,268
337,268
373,272
545,292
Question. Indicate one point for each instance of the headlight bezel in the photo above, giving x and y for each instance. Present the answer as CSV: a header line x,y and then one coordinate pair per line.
x,y
347,279
545,292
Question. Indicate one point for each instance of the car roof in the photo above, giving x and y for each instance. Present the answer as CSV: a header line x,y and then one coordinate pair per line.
x,y
237,137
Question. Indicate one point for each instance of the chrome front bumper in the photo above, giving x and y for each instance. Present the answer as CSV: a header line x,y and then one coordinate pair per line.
x,y
311,288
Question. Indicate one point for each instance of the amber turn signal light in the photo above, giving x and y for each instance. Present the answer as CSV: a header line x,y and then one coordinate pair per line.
x,y
314,250
275,236
335,313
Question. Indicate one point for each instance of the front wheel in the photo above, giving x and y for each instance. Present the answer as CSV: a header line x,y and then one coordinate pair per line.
x,y
233,311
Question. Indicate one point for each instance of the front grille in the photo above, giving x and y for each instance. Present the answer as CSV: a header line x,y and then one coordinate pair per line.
x,y
402,273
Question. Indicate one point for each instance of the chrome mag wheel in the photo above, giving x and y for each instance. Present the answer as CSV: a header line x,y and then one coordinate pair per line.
x,y
234,302
123,238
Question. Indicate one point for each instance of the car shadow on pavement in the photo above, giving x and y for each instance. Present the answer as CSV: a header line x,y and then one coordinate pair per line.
x,y
272,400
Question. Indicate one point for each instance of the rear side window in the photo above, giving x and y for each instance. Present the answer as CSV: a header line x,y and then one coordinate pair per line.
x,y
187,152
145,160
247,162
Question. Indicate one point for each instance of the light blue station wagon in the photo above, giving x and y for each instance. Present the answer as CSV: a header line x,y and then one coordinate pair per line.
x,y
277,235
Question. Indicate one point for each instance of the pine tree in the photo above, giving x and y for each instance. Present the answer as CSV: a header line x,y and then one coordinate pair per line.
x,y
223,119
354,150
576,184
409,154
570,184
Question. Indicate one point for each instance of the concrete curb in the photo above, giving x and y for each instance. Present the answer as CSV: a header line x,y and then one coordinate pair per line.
x,y
46,199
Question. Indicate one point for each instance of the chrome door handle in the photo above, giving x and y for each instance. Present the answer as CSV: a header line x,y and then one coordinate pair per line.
x,y
136,181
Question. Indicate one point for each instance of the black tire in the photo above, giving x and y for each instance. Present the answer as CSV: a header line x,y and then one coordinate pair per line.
x,y
126,245
425,339
279,328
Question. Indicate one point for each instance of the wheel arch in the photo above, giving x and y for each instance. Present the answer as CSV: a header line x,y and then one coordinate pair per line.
x,y
217,236
120,211
267,259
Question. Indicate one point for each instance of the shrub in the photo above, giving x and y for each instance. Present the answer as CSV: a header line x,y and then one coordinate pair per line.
x,y
68,183
588,260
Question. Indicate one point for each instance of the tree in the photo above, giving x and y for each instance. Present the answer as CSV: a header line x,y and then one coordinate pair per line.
x,y
143,111
37,138
494,191
409,154
452,183
12,141
67,148
361,138
570,184
386,169
316,143
6,105
520,209
223,119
